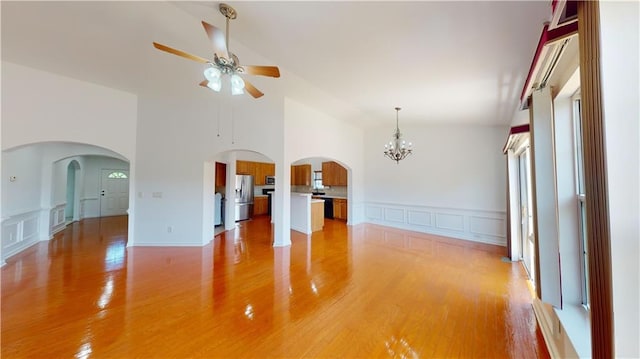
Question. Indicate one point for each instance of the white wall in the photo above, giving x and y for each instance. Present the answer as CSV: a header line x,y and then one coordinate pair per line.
x,y
453,184
23,194
620,95
64,109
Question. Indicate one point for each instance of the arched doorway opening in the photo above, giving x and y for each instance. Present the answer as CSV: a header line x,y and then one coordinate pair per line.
x,y
51,183
237,188
71,209
324,178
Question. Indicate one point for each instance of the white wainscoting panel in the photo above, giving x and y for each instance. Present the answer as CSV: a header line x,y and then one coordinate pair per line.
x,y
452,222
372,212
473,225
19,231
490,226
57,219
419,218
394,215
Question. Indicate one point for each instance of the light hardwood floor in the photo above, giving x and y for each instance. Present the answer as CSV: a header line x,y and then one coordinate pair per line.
x,y
362,291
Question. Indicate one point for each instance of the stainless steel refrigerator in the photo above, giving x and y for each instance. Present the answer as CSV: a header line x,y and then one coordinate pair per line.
x,y
244,197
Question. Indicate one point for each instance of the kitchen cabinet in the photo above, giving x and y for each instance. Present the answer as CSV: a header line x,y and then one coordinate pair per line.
x,y
260,205
340,209
301,175
264,169
259,170
333,174
221,174
245,168
317,215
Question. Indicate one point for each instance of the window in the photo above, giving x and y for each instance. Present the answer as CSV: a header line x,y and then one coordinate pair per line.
x,y
117,175
582,205
317,180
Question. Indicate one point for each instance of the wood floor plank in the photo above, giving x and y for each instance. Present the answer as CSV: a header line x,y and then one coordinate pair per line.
x,y
362,291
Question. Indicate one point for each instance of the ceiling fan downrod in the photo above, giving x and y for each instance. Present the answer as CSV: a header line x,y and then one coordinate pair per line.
x,y
230,13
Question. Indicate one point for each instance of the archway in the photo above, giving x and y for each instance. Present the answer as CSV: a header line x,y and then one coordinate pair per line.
x,y
43,190
221,194
71,209
326,178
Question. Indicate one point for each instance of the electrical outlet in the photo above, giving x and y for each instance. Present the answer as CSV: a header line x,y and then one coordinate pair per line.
x,y
156,194
170,229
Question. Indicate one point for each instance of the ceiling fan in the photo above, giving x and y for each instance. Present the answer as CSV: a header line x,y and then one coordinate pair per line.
x,y
224,62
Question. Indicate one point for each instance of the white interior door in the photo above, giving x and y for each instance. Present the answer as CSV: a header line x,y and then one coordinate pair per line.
x,y
114,192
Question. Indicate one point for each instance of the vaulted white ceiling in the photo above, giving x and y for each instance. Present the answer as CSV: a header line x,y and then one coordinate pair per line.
x,y
442,62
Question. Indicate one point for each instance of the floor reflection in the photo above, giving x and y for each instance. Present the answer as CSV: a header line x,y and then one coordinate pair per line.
x,y
363,291
71,287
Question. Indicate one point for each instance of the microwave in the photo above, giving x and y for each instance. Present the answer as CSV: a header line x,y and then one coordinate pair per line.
x,y
270,180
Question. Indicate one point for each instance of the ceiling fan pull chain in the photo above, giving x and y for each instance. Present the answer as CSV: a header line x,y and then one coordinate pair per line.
x,y
233,127
219,106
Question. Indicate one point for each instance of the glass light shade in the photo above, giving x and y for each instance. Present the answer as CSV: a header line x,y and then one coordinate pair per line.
x,y
215,85
212,74
237,85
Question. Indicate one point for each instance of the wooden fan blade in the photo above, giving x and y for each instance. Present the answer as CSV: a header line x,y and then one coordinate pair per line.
x,y
217,40
180,53
271,71
204,83
252,90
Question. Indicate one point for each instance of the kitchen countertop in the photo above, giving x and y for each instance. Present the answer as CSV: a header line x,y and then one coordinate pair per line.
x,y
327,196
317,200
316,195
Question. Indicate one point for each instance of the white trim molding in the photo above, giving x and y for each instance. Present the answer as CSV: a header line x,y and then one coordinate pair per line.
x,y
473,225
57,219
19,232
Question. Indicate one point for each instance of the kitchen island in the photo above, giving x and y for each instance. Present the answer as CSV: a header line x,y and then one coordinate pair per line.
x,y
307,214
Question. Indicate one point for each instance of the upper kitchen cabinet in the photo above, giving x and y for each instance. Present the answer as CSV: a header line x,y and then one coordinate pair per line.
x,y
245,168
333,174
301,175
259,170
263,170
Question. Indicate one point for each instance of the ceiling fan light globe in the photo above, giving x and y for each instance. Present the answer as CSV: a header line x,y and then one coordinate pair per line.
x,y
212,74
215,85
237,85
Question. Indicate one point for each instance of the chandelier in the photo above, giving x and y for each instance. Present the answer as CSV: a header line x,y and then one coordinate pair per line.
x,y
397,149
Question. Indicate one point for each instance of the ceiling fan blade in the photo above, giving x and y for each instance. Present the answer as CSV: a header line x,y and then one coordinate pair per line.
x,y
271,71
204,83
217,39
180,53
252,90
